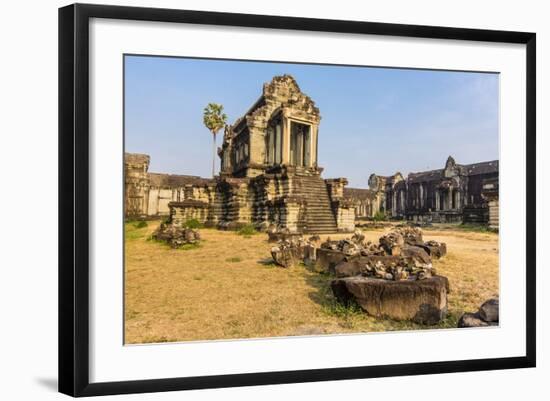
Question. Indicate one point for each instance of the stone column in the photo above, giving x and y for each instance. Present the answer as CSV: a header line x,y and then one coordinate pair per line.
x,y
437,200
314,135
450,199
285,122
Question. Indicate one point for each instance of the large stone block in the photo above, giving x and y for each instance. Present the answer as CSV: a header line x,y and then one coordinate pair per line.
x,y
435,249
422,301
473,320
489,310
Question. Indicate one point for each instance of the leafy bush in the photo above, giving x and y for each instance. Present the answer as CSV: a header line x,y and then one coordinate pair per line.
x,y
193,224
247,230
141,224
338,309
379,216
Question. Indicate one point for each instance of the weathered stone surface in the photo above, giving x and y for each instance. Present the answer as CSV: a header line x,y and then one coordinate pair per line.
x,y
417,255
358,237
422,301
392,243
489,310
435,249
472,320
370,248
281,234
487,315
310,254
411,235
327,259
345,246
365,264
315,240
288,253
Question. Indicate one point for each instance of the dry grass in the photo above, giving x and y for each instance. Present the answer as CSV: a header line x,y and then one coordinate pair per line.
x,y
228,288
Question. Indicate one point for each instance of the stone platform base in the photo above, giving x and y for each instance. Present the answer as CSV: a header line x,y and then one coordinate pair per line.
x,y
422,301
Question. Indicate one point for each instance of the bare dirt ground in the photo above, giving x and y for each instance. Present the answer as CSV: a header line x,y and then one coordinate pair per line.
x,y
228,288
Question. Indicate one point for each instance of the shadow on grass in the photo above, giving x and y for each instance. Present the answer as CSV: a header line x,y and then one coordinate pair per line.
x,y
321,284
267,262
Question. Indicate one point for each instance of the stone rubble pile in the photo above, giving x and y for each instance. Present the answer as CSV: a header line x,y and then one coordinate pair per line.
x,y
392,278
400,254
487,315
176,236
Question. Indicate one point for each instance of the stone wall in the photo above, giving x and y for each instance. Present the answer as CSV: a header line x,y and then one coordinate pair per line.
x,y
490,195
452,194
285,199
137,184
181,212
149,194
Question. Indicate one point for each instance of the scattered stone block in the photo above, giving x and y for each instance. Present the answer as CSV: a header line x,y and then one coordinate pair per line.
x,y
435,249
487,315
286,255
392,243
417,256
471,320
411,235
315,240
422,301
327,259
310,254
489,310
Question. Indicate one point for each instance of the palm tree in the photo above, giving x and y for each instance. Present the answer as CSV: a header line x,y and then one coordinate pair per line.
x,y
214,119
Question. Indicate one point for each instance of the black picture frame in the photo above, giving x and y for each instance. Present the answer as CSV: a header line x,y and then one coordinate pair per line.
x,y
74,198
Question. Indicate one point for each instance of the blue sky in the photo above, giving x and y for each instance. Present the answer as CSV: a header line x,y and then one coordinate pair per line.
x,y
379,120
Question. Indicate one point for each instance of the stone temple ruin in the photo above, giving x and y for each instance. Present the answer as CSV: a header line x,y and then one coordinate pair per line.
x,y
456,193
270,176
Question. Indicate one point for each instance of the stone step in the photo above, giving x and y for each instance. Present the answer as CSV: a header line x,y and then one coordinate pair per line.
x,y
319,217
320,222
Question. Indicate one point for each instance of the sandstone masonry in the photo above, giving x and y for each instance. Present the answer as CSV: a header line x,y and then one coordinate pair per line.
x,y
270,176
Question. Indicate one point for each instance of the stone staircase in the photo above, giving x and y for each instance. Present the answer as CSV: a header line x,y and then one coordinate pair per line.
x,y
319,218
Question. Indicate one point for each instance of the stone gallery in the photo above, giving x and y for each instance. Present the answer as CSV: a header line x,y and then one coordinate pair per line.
x,y
270,176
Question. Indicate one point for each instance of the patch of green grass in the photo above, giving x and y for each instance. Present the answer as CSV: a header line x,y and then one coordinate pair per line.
x,y
247,230
159,242
379,216
193,224
234,259
131,232
478,228
187,247
131,315
337,309
141,224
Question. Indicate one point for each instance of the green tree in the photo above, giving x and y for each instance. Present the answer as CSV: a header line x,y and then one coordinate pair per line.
x,y
214,119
